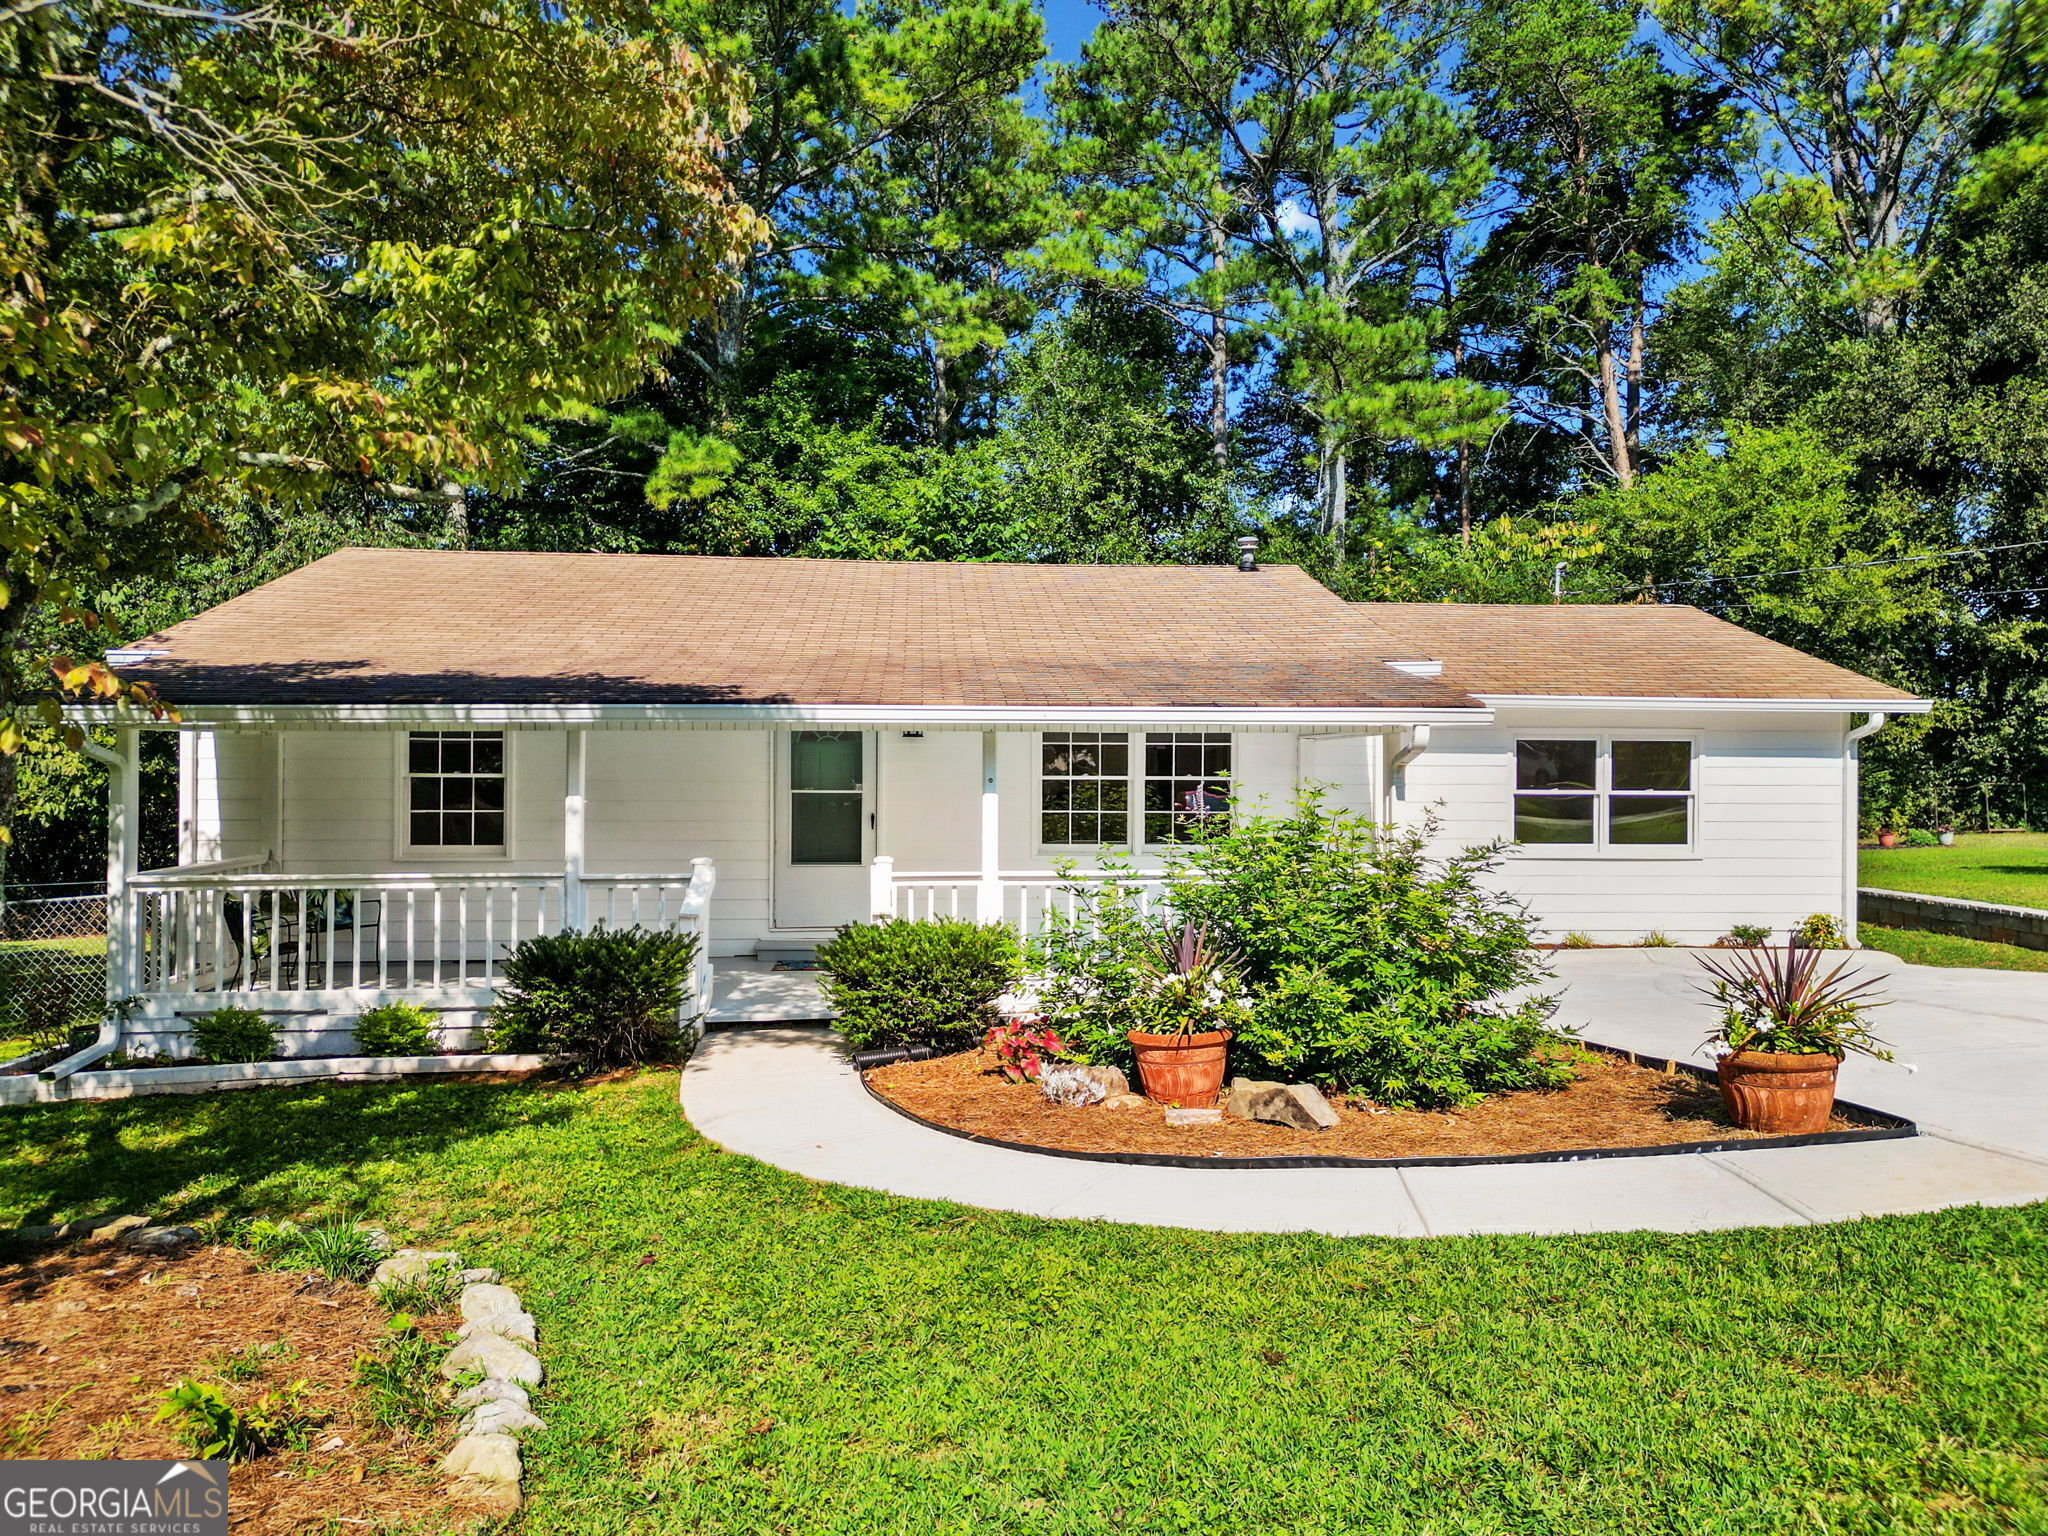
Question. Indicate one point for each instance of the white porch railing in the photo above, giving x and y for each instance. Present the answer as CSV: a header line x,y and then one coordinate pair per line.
x,y
1021,898
205,931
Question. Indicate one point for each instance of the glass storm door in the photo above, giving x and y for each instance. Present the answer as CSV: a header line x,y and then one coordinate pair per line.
x,y
824,827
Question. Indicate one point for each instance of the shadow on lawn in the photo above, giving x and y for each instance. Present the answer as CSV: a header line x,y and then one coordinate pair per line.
x,y
216,1154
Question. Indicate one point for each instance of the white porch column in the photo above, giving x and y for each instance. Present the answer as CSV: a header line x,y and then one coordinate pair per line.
x,y
575,906
124,841
989,893
882,888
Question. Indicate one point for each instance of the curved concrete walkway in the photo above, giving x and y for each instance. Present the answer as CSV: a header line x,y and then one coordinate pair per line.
x,y
1978,1038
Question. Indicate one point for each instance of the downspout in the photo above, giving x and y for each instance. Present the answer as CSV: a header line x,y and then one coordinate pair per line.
x,y
122,807
1414,742
1851,806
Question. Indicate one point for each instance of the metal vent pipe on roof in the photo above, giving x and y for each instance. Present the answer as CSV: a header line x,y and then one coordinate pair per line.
x,y
1248,553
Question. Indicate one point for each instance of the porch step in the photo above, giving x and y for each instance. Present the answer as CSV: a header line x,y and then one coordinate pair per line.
x,y
793,954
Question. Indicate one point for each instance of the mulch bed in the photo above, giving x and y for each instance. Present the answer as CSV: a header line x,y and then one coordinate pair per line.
x,y
1610,1103
91,1335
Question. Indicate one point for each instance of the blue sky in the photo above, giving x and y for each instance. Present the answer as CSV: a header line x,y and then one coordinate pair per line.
x,y
1067,25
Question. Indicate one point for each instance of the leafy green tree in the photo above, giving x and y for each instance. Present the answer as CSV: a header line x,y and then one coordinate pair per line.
x,y
857,116
1870,114
261,252
1155,212
1600,147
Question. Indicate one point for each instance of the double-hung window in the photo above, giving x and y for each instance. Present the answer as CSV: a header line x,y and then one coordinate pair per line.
x,y
455,791
1618,792
1109,788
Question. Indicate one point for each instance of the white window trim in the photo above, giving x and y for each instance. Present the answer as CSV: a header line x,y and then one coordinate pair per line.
x,y
402,845
1135,742
1603,778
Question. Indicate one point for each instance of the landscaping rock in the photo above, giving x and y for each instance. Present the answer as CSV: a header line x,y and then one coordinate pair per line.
x,y
489,1391
1300,1105
486,1458
1078,1086
500,1500
502,1419
1125,1101
409,1266
160,1239
378,1239
506,1325
106,1231
491,1355
1186,1117
479,1277
482,1300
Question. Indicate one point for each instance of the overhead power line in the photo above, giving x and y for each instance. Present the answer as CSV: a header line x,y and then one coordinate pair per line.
x,y
1815,570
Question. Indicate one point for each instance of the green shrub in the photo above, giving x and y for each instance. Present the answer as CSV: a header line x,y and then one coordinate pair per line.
x,y
1745,936
340,1250
608,997
213,1425
1918,837
1823,930
234,1034
1371,967
918,983
395,1029
1092,968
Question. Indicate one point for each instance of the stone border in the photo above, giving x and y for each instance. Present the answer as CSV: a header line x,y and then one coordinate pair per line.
x,y
1882,1127
133,1082
2023,927
495,1356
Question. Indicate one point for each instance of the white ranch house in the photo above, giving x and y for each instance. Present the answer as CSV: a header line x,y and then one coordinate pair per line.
x,y
394,762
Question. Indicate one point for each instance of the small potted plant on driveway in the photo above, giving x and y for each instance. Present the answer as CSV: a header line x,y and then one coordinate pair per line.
x,y
1190,1005
1785,1026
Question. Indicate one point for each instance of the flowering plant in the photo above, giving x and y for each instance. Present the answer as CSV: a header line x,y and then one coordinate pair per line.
x,y
1189,984
1022,1046
1780,1000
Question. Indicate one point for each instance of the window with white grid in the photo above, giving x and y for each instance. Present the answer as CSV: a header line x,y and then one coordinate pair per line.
x,y
455,790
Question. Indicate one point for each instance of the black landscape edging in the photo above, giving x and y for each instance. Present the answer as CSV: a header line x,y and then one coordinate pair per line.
x,y
1883,1127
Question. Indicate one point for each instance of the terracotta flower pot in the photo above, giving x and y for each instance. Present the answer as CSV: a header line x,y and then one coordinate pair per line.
x,y
1181,1069
1887,839
1778,1092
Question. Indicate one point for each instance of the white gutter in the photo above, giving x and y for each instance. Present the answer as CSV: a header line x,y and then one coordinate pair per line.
x,y
742,716
1611,701
122,797
1851,807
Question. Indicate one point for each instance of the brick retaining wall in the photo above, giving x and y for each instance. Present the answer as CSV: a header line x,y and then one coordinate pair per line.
x,y
2023,926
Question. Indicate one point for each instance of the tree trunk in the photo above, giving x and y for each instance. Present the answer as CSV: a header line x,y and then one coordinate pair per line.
x,y
1611,410
458,514
1632,437
9,782
1336,497
1219,364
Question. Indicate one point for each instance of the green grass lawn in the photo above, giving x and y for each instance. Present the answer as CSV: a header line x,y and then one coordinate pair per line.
x,y
1949,949
735,1350
2008,867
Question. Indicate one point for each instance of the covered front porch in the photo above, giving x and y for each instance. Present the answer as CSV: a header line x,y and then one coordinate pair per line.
x,y
326,869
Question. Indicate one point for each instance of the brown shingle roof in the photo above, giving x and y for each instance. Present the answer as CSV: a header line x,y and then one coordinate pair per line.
x,y
426,626
1635,650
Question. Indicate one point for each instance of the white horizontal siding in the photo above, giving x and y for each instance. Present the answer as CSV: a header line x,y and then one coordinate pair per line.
x,y
1768,840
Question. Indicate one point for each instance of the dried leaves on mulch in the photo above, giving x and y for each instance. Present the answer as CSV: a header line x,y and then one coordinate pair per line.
x,y
1610,1103
91,1335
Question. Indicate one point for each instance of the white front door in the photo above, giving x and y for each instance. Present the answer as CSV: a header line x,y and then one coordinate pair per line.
x,y
824,828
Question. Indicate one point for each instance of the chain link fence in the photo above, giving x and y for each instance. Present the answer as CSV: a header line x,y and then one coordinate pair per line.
x,y
53,971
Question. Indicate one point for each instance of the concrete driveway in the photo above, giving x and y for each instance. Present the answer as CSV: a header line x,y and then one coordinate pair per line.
x,y
1972,1046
